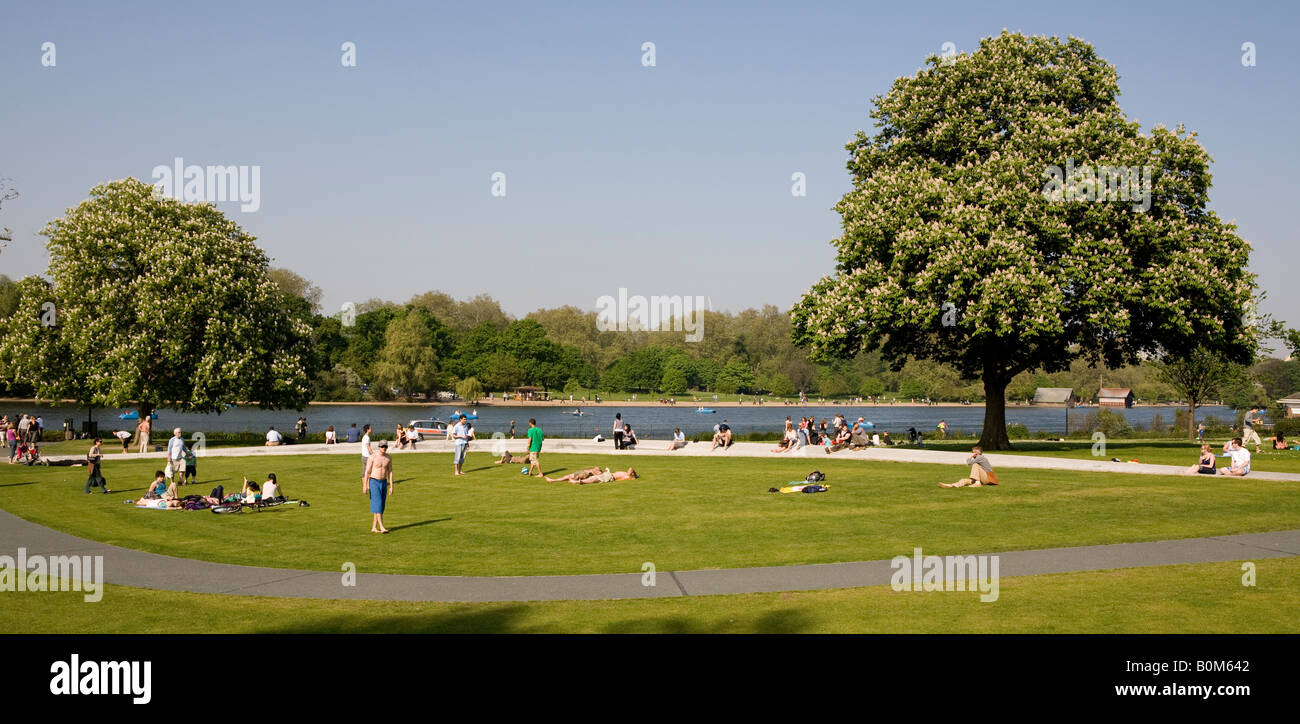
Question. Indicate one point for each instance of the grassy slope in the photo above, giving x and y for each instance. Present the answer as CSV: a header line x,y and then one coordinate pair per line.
x,y
1198,598
685,513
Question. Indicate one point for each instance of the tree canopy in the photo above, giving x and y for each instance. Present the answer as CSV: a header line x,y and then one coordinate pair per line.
x,y
158,302
955,250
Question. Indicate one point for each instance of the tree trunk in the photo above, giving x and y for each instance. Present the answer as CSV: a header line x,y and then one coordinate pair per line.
x,y
994,435
1191,419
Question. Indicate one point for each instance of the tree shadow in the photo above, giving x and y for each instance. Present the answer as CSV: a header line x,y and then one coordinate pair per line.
x,y
417,525
11,485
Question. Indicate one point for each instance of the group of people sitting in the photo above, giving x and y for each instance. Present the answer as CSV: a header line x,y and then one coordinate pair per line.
x,y
163,494
836,436
1239,459
408,436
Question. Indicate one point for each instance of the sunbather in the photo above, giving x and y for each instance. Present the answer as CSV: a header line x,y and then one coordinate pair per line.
x,y
587,477
585,472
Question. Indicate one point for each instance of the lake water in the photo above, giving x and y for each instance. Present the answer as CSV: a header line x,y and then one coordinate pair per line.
x,y
649,422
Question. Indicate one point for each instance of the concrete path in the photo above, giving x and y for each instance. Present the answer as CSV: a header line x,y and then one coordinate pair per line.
x,y
896,454
149,570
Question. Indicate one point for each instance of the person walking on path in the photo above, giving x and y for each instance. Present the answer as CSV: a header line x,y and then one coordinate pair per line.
x,y
93,460
535,437
618,431
511,435
1248,425
377,482
460,436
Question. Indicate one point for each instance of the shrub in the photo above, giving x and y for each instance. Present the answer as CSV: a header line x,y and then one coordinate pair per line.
x,y
1017,431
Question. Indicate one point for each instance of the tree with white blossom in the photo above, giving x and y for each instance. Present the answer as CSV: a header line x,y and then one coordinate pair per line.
x,y
960,246
155,302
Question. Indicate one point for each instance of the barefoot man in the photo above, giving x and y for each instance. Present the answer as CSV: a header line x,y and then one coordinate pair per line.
x,y
377,482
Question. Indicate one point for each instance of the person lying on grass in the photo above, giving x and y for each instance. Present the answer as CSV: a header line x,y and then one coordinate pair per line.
x,y
512,458
585,477
585,472
1278,442
981,471
1205,466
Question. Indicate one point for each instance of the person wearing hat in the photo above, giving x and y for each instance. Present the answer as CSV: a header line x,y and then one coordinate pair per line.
x,y
377,482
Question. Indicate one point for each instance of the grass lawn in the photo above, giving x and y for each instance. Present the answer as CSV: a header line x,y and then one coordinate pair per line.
x,y
684,513
1197,598
1158,452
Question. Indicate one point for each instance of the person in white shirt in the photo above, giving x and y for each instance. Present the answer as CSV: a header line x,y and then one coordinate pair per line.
x,y
365,447
273,437
176,453
1240,460
331,437
271,489
679,439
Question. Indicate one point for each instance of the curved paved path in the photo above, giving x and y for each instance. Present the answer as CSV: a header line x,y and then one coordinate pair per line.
x,y
127,567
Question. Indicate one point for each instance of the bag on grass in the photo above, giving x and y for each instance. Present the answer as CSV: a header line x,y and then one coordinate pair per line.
x,y
814,488
816,476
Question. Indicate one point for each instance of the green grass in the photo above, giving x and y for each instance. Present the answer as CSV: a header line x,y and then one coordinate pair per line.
x,y
1159,452
1196,598
684,513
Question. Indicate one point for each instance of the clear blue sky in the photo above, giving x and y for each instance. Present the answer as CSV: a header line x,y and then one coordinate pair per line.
x,y
666,180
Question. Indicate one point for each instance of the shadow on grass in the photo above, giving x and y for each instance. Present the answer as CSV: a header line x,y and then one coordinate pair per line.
x,y
12,485
518,618
417,525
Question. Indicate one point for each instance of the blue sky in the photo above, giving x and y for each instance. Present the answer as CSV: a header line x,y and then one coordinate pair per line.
x,y
673,179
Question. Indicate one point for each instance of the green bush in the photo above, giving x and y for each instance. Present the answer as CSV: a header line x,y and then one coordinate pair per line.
x,y
1017,432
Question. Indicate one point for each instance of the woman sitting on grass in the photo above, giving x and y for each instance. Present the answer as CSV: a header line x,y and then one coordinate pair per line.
x,y
1205,466
251,493
271,489
159,494
157,487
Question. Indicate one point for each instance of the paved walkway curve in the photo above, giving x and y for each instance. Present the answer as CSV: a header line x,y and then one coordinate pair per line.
x,y
138,569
